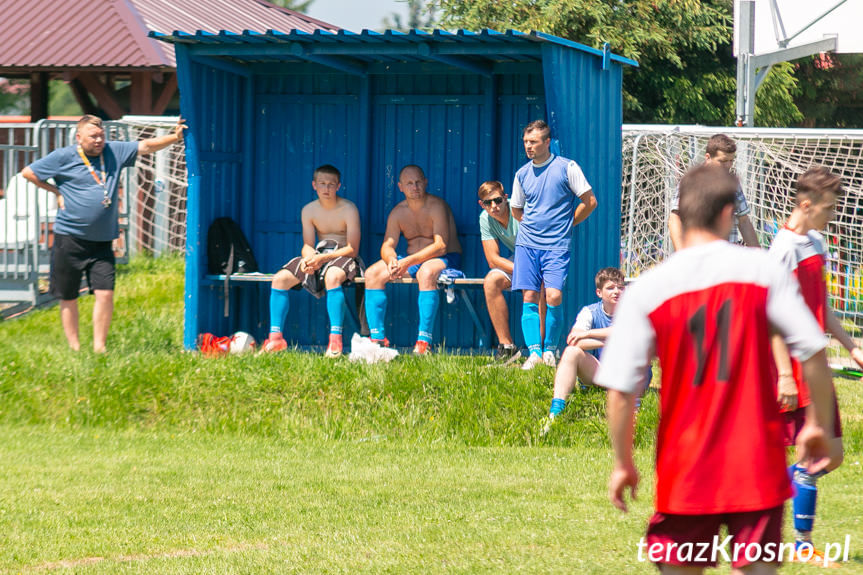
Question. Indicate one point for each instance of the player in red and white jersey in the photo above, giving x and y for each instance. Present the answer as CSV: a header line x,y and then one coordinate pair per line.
x,y
799,247
707,314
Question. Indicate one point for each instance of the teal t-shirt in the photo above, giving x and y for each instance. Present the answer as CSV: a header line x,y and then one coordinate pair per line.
x,y
490,229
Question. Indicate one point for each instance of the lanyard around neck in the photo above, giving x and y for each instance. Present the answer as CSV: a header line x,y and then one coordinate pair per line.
x,y
106,201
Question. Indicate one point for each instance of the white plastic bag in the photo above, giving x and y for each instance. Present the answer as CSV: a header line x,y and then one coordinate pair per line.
x,y
364,349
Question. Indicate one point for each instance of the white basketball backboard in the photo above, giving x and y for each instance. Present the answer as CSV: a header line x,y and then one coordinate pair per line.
x,y
779,20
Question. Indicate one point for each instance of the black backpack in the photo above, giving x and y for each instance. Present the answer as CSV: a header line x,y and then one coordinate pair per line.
x,y
228,252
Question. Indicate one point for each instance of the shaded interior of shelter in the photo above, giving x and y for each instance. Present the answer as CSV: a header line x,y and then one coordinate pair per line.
x,y
266,109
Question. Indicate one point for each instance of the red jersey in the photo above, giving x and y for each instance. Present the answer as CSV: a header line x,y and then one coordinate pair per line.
x,y
805,256
706,314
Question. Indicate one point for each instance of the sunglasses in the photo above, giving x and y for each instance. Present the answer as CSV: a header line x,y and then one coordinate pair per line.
x,y
496,201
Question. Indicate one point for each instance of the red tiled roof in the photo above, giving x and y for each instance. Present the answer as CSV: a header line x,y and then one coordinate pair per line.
x,y
113,33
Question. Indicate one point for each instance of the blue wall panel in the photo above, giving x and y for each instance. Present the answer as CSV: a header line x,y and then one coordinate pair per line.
x,y
294,135
586,105
216,97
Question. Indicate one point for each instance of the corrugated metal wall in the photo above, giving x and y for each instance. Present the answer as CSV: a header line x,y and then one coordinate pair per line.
x,y
586,115
461,128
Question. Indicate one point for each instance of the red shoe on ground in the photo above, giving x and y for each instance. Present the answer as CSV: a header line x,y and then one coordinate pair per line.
x,y
335,347
274,343
382,342
802,555
422,348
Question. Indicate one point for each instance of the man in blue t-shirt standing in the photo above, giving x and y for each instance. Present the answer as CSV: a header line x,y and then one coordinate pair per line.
x,y
87,176
544,195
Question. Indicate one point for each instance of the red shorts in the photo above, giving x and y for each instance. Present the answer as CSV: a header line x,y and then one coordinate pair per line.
x,y
794,421
752,535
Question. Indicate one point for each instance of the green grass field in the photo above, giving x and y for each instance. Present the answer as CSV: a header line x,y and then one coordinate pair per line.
x,y
150,460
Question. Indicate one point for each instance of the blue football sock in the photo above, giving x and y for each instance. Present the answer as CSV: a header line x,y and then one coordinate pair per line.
x,y
803,502
553,325
279,305
557,406
336,308
376,311
530,327
428,302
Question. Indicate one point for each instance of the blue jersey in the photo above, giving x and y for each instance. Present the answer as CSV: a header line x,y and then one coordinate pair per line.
x,y
547,193
84,215
593,316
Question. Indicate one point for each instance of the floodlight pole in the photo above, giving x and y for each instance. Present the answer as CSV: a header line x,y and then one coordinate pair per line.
x,y
753,68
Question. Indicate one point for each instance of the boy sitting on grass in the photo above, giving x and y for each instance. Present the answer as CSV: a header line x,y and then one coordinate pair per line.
x,y
592,326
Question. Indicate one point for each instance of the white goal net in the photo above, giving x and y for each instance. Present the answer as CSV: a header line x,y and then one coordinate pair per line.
x,y
768,163
157,213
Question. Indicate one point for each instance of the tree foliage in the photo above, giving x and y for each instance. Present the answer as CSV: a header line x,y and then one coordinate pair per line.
x,y
687,71
831,92
421,15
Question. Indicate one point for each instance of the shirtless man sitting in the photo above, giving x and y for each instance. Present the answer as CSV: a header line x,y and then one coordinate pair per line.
x,y
427,223
322,266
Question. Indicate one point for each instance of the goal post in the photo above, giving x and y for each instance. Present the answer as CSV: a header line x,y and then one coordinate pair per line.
x,y
768,162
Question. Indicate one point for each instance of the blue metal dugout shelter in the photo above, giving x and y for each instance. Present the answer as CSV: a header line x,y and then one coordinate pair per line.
x,y
265,108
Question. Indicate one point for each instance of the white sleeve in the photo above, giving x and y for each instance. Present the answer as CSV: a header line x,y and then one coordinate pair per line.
x,y
577,182
584,320
675,199
517,200
790,315
630,347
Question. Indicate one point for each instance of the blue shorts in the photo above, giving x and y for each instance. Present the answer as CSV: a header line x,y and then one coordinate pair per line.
x,y
452,260
533,267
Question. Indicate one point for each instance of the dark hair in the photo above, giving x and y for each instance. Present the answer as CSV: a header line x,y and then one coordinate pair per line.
x,y
704,193
89,119
814,182
720,143
488,188
539,125
609,275
408,167
327,169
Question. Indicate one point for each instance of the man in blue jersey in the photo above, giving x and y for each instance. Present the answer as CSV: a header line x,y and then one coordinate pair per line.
x,y
87,176
544,195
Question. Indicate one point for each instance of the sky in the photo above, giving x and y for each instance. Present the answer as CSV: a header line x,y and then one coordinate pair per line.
x,y
356,15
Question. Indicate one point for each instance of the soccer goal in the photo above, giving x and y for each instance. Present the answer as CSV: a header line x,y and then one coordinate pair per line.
x,y
157,218
768,162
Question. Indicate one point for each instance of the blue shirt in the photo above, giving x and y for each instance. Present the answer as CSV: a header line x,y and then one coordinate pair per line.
x,y
84,216
547,194
593,316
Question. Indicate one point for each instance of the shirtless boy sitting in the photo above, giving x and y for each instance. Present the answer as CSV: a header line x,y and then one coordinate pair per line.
x,y
427,224
323,266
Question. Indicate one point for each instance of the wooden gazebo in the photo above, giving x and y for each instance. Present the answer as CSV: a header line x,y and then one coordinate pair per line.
x,y
102,50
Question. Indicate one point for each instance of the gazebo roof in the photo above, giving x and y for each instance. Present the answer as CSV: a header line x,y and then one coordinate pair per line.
x,y
112,34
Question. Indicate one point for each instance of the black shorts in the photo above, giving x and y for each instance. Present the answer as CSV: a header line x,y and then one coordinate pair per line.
x,y
72,257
